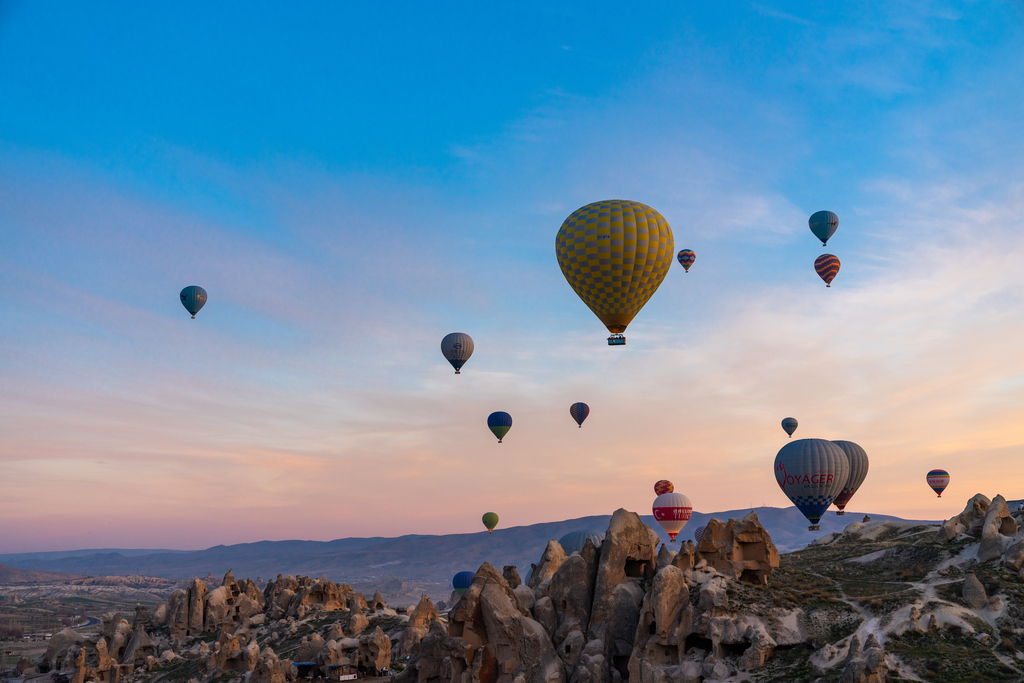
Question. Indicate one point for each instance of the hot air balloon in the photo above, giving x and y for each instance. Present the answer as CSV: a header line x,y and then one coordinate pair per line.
x,y
579,412
938,480
672,511
499,423
686,258
457,347
811,472
193,298
574,541
823,224
789,424
490,521
462,581
858,460
663,486
827,266
698,534
615,253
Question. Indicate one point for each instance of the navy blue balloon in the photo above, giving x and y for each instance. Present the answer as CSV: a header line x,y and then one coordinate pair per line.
x,y
462,581
193,298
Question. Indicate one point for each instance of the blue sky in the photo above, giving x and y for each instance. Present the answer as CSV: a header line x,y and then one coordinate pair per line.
x,y
350,183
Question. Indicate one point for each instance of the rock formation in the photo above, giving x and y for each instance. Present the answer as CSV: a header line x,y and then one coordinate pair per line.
x,y
741,549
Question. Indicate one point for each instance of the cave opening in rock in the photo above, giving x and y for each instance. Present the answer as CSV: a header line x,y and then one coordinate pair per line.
x,y
652,629
733,649
695,640
621,664
635,568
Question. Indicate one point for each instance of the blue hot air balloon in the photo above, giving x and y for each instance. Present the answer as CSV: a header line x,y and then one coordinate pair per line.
x,y
574,541
462,581
579,412
499,423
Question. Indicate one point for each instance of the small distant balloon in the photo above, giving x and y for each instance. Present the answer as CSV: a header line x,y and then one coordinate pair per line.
x,y
823,224
490,521
499,423
664,486
789,424
698,533
938,480
579,412
686,258
462,581
457,347
193,298
574,541
827,266
672,511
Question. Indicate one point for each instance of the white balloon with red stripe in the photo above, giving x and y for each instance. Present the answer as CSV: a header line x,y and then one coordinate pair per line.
x,y
672,511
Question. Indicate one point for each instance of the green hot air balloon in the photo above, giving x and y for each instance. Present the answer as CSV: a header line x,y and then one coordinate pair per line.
x,y
490,521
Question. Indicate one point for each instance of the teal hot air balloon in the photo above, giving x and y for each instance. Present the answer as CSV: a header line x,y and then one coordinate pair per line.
x,y
499,423
812,472
193,298
457,347
858,459
823,224
789,424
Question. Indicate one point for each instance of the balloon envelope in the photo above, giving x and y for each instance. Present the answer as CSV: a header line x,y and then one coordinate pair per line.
x,y
938,480
574,541
811,472
457,347
462,581
858,460
789,424
615,254
579,412
664,486
823,224
490,520
686,258
193,298
698,533
826,266
672,511
499,423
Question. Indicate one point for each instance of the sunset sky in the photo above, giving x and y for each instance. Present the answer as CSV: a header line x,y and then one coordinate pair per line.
x,y
352,181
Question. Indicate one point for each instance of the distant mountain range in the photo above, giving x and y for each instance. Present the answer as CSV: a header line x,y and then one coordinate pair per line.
x,y
427,561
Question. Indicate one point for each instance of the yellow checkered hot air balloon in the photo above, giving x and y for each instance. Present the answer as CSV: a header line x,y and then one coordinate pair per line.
x,y
615,253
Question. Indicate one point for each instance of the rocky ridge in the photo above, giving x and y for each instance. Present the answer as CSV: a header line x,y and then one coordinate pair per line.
x,y
878,601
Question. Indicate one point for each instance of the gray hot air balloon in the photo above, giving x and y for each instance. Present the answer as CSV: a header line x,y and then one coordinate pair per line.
x,y
812,472
574,541
858,471
789,424
193,298
457,347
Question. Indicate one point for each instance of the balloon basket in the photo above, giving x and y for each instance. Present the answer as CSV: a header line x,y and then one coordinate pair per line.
x,y
814,527
617,340
840,513
457,372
